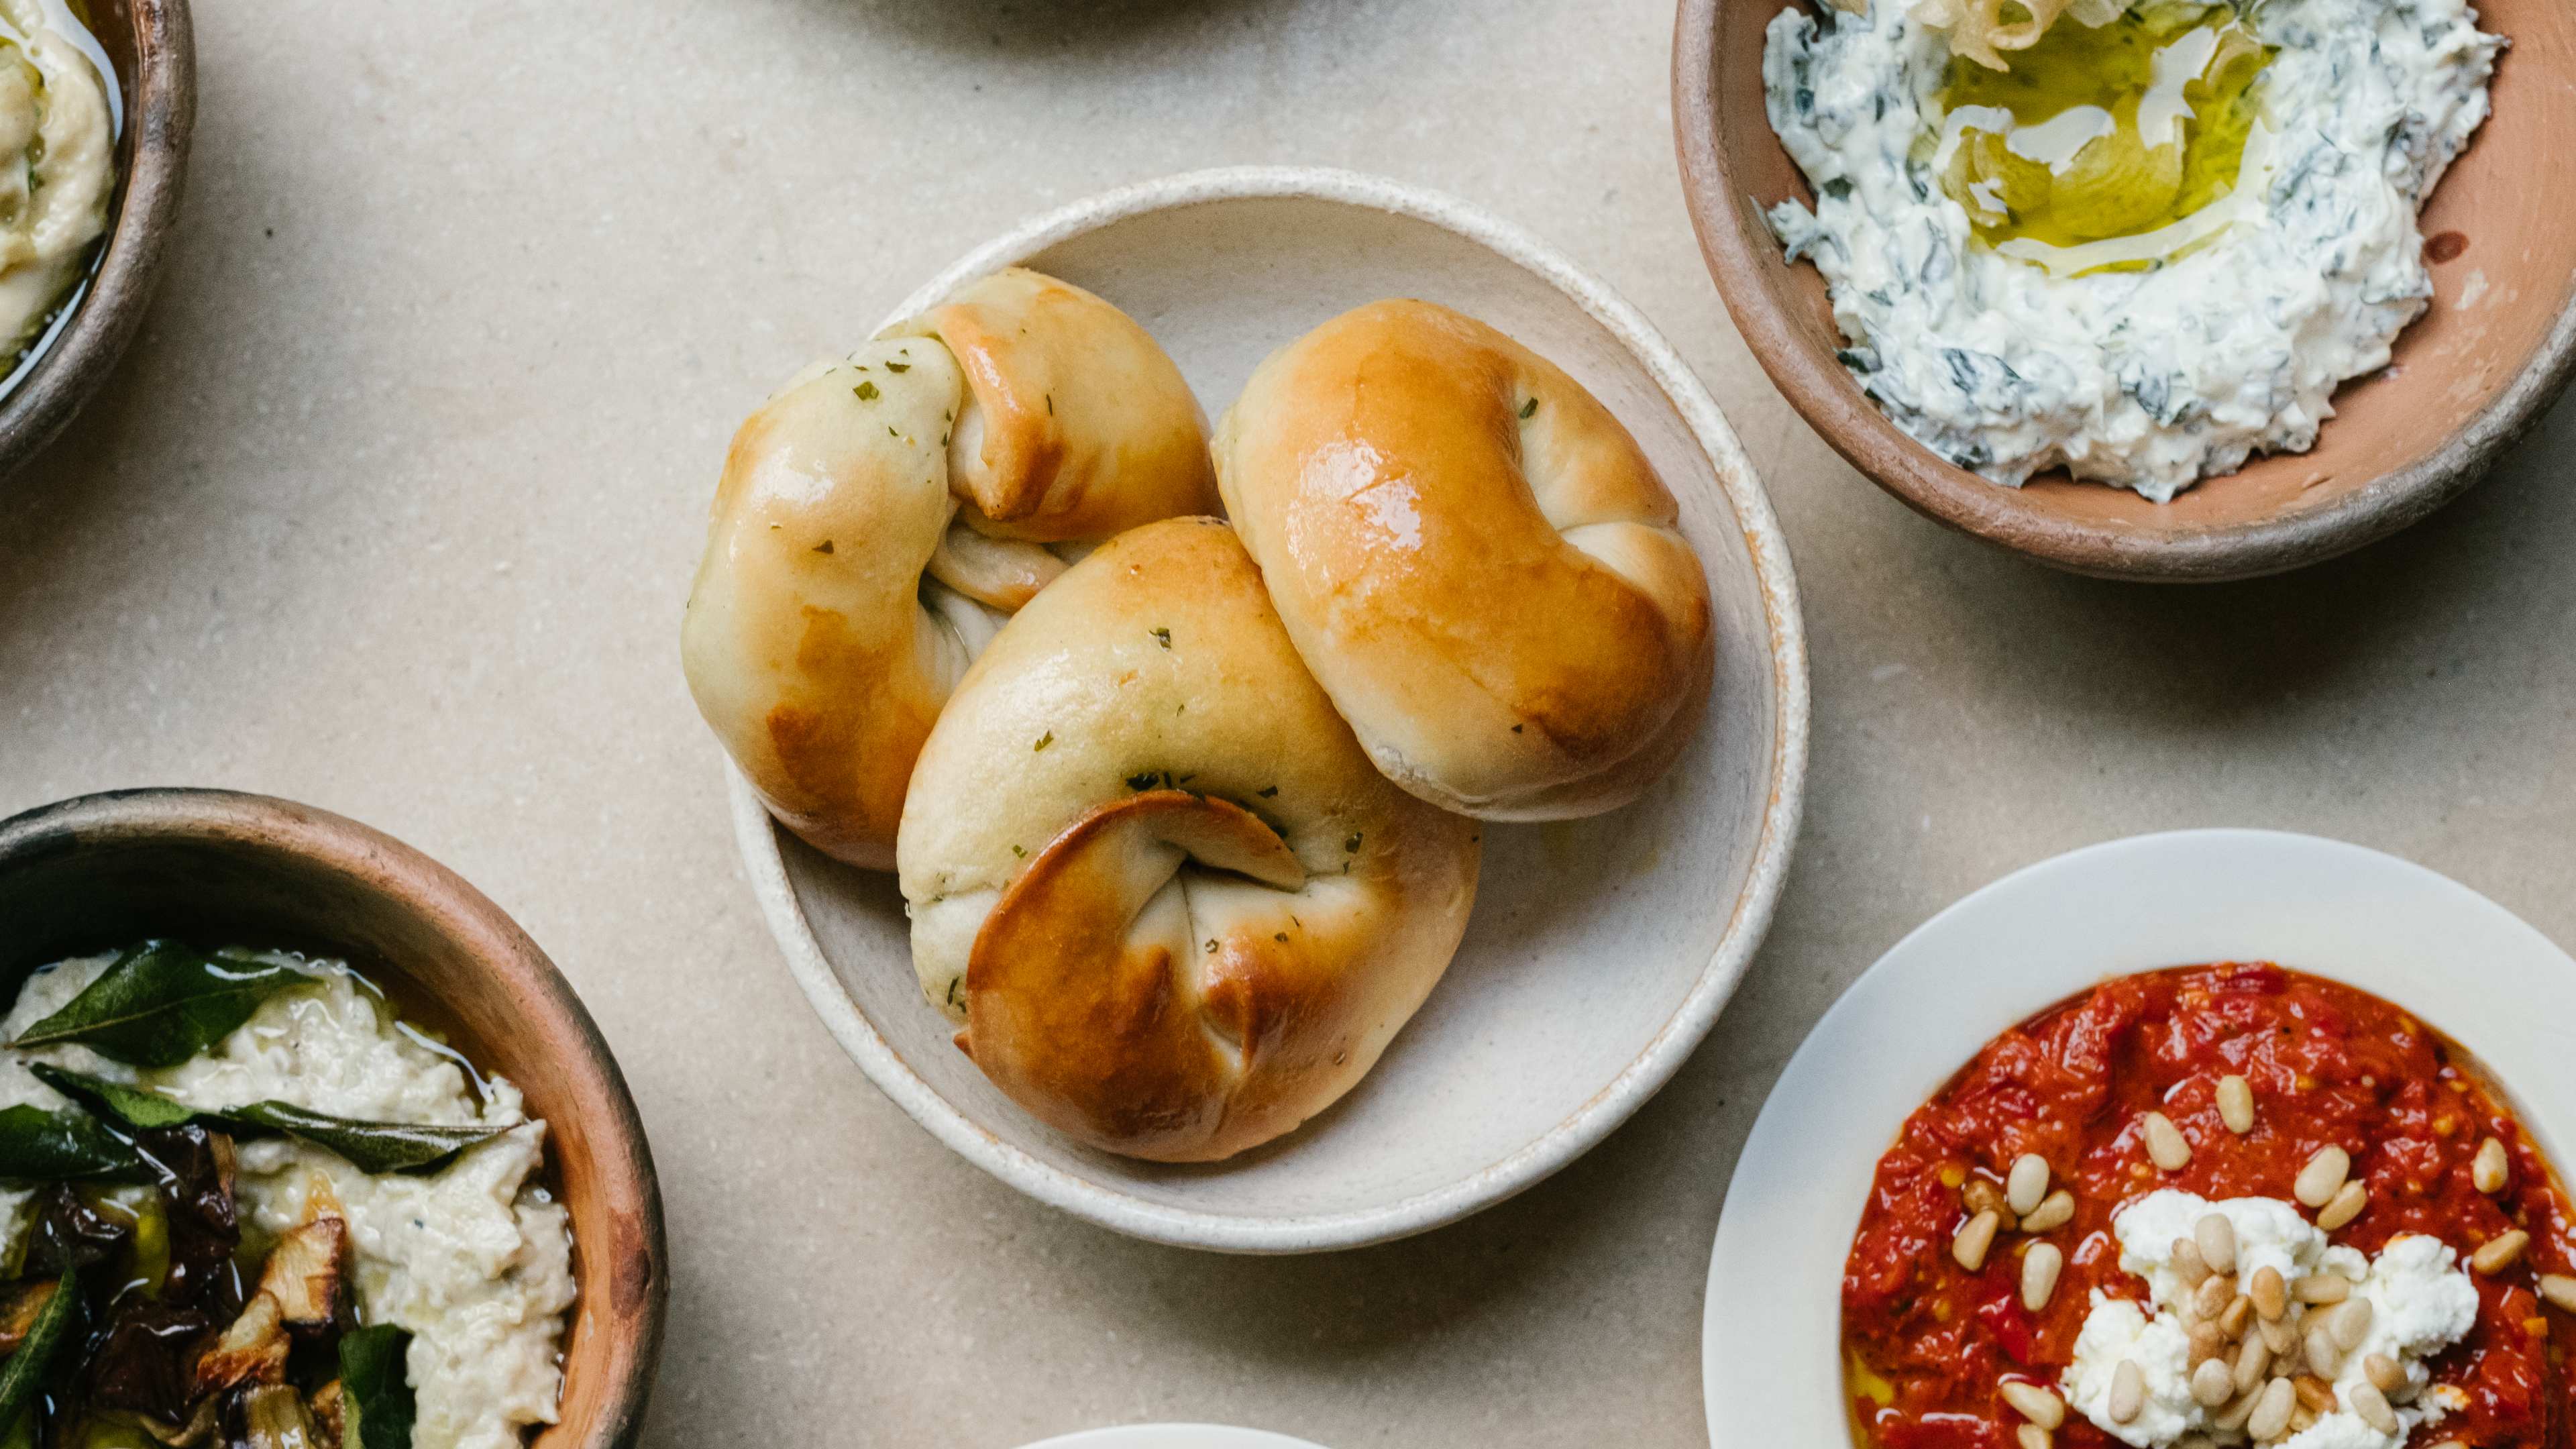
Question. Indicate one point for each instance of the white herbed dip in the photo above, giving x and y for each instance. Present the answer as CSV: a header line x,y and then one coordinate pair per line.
x,y
2420,1301
2253,308
57,165
474,1259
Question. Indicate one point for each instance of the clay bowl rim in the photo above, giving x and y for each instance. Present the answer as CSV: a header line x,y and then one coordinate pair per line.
x,y
160,96
1817,386
402,880
1749,916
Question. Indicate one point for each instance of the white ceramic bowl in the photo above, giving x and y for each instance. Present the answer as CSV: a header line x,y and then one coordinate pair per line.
x,y
1770,1336
1175,1436
1600,951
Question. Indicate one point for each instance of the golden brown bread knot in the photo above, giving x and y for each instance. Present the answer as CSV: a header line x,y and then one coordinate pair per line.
x,y
881,515
1475,559
1154,873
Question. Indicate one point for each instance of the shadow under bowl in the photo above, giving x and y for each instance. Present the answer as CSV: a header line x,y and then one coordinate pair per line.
x,y
2466,379
215,867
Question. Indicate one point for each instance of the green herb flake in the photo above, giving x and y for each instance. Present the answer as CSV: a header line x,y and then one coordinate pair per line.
x,y
1163,637
1267,792
1352,845
1021,851
1529,409
1211,948
1050,401
824,547
1282,937
867,391
1144,781
1044,740
898,367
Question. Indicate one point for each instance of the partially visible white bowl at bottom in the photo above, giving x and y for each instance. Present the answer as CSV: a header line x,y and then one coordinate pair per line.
x,y
1770,1336
1175,1436
1600,950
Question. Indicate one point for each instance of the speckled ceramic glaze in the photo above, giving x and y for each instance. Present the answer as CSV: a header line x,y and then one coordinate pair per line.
x,y
1601,950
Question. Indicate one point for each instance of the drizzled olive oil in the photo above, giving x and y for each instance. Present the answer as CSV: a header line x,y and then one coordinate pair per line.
x,y
2095,133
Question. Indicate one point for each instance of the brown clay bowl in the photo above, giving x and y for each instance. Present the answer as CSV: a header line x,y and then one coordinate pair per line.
x,y
156,71
2466,379
103,870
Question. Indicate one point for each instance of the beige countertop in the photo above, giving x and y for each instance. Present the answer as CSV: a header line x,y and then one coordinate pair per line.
x,y
393,505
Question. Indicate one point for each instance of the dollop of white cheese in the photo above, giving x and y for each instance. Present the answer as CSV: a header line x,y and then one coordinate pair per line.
x,y
2421,1303
2301,278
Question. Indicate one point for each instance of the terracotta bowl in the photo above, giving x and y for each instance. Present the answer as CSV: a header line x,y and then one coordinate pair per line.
x,y
2467,378
150,43
105,870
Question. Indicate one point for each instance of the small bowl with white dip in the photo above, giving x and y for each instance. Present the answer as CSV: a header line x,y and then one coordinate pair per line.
x,y
436,1203
98,100
2253,353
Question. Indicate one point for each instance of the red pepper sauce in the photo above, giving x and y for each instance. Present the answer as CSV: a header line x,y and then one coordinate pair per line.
x,y
1927,1343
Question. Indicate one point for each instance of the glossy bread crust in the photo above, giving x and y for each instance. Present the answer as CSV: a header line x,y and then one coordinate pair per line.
x,y
1077,425
1153,872
1476,560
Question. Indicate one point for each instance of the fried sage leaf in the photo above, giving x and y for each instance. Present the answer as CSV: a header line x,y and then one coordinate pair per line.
x,y
369,1146
162,1003
376,1388
47,1336
41,1146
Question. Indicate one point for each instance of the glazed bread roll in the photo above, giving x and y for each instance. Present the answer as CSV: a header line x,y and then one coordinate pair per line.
x,y
1153,873
855,563
1475,559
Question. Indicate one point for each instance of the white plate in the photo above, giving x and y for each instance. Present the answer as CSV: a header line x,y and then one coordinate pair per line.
x,y
1175,1436
1600,951
1770,1334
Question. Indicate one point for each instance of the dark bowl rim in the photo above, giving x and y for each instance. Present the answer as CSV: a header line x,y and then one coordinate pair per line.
x,y
213,816
1815,386
160,120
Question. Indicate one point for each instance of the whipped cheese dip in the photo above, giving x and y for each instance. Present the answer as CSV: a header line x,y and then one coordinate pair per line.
x,y
475,1259
2420,1296
57,165
2010,359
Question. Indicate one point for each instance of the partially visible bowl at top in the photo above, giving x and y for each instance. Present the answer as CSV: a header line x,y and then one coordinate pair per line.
x,y
2467,378
150,44
102,871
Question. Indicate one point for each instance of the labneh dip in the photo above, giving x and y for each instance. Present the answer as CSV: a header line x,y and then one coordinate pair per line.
x,y
57,165
2150,245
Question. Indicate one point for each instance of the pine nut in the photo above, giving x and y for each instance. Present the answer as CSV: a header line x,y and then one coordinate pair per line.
x,y
2028,1183
2348,1323
2279,1334
2271,1295
2236,1104
2214,1294
2251,1360
2215,1236
2039,1405
2031,1436
2165,1144
2319,1346
2302,1418
2212,1384
2232,1418
2128,1391
2344,1206
2372,1406
2488,1169
2272,1411
1981,1196
2500,1252
2206,1343
2233,1319
2054,1211
2194,1439
2324,1173
2383,1372
2039,1269
2322,1288
2187,1264
2559,1291
2315,1393
1969,1248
